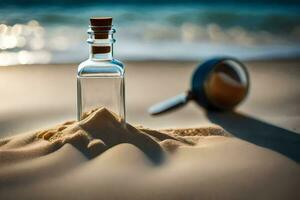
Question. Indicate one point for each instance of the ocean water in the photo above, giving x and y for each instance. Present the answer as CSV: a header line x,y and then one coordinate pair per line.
x,y
36,32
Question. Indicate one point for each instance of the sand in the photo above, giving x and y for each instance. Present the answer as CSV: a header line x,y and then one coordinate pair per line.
x,y
34,97
101,158
252,153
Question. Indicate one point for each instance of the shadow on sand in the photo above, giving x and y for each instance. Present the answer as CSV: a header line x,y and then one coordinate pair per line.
x,y
258,132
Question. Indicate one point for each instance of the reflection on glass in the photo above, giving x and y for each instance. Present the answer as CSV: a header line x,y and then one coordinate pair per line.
x,y
227,85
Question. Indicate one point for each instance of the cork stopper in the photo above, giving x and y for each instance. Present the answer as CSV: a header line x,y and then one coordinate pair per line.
x,y
101,49
101,21
101,27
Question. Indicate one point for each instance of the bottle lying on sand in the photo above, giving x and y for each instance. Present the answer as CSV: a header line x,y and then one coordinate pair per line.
x,y
100,79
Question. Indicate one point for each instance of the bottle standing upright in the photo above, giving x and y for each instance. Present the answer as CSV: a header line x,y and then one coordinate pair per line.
x,y
100,79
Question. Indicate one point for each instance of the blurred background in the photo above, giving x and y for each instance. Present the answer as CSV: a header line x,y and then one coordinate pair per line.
x,y
33,31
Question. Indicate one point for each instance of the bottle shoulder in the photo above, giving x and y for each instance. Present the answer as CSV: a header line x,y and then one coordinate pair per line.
x,y
101,68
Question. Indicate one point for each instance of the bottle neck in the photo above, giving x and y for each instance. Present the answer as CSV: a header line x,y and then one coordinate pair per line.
x,y
101,52
101,43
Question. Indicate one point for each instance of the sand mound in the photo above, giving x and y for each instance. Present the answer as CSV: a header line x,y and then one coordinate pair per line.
x,y
98,131
101,158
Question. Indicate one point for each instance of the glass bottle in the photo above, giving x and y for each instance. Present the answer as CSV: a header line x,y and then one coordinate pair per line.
x,y
100,79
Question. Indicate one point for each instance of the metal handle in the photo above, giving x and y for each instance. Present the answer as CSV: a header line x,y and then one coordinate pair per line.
x,y
171,104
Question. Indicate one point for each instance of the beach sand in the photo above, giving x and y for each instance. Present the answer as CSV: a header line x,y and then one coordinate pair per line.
x,y
100,158
252,153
